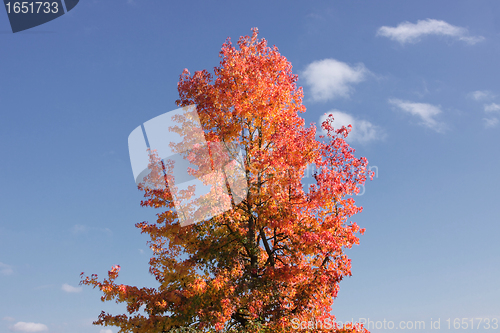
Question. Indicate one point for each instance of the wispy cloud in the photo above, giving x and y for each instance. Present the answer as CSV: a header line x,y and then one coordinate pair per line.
x,y
5,269
426,112
491,121
407,32
70,289
481,95
330,78
8,319
28,327
78,229
493,107
362,130
490,109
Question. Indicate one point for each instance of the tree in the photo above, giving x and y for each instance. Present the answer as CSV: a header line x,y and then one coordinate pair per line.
x,y
276,256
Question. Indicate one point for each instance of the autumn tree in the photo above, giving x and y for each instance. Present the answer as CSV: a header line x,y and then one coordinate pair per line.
x,y
278,254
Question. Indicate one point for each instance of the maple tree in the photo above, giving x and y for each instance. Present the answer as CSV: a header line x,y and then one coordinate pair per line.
x,y
277,255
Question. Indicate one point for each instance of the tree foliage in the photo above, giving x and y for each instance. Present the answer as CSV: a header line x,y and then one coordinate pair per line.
x,y
276,256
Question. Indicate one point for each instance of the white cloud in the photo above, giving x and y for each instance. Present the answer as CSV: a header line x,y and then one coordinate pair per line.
x,y
362,130
28,327
426,112
490,122
8,319
407,32
481,95
5,269
70,289
106,331
330,78
493,107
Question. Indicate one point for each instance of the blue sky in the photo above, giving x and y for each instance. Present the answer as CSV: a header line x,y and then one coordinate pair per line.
x,y
418,80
